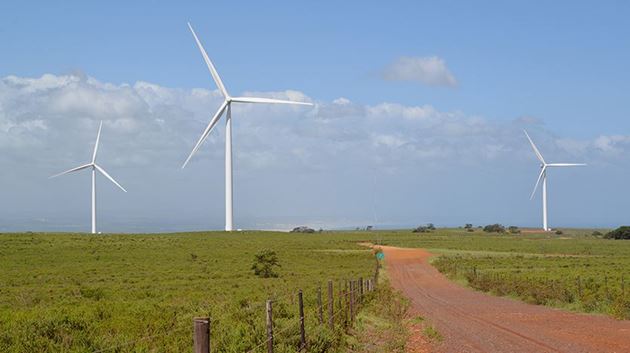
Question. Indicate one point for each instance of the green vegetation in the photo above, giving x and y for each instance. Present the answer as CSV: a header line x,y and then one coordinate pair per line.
x,y
619,233
380,325
264,263
494,228
83,293
432,334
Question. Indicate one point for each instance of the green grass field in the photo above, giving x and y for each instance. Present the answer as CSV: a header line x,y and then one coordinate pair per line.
x,y
84,293
139,293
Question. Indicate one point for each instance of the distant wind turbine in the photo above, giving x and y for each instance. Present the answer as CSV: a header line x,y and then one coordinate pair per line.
x,y
94,167
543,175
226,106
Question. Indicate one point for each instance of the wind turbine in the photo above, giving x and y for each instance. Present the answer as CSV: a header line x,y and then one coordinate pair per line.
x,y
543,175
226,106
94,167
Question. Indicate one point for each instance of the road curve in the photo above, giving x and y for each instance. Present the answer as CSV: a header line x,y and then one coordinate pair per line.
x,y
472,321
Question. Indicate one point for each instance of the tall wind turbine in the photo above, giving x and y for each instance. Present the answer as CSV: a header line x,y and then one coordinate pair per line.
x,y
94,167
226,106
543,175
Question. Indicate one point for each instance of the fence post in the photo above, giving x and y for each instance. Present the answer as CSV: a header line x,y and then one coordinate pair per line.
x,y
201,339
346,301
269,328
302,333
341,310
352,301
320,305
361,288
331,304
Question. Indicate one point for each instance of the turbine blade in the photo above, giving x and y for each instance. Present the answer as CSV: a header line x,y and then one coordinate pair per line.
x,y
213,71
109,177
540,176
566,165
207,131
71,170
538,154
98,137
266,100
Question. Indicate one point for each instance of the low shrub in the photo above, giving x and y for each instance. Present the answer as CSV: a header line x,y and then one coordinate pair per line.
x,y
494,228
622,232
264,263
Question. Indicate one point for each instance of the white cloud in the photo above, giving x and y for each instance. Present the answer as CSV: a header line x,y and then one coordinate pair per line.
x,y
49,123
430,70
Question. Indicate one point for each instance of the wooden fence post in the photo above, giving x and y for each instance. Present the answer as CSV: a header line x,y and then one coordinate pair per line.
x,y
331,305
320,305
341,309
361,288
346,301
352,289
201,339
269,328
302,333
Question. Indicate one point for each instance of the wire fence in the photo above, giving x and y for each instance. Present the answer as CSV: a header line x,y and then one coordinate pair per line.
x,y
334,311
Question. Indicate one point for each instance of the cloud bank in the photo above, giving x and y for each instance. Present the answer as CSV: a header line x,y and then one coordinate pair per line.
x,y
335,164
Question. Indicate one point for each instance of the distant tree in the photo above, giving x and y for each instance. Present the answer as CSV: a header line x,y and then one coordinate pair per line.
x,y
559,232
494,228
369,228
622,232
264,263
596,233
421,229
430,226
514,230
303,229
468,226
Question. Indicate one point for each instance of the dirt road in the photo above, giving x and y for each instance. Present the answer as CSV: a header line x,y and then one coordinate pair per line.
x,y
471,321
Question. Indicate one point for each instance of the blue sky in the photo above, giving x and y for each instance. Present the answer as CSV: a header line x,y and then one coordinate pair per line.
x,y
559,69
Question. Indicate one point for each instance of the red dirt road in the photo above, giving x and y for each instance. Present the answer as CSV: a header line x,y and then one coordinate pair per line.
x,y
471,321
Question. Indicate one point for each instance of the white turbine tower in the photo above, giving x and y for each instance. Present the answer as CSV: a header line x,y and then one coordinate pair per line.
x,y
226,106
94,167
543,175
